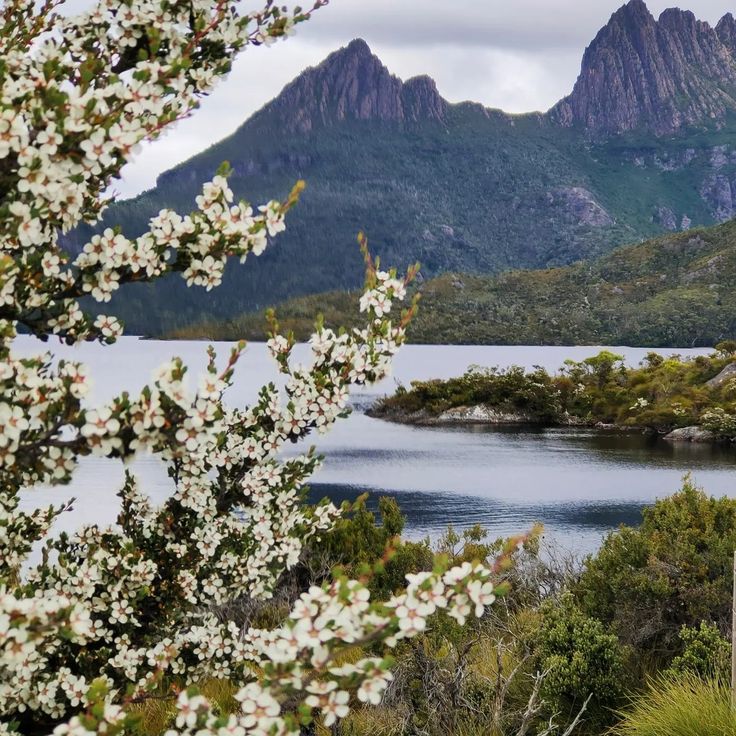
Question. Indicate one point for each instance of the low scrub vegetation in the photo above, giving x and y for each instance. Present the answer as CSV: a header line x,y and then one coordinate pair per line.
x,y
661,394
631,641
668,292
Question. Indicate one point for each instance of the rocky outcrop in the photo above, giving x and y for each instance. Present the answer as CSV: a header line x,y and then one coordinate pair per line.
x,y
420,100
726,30
719,192
461,415
691,434
655,75
727,374
579,206
665,218
483,414
713,168
353,84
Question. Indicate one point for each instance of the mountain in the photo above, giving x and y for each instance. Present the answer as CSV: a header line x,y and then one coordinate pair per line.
x,y
655,75
645,144
674,291
352,84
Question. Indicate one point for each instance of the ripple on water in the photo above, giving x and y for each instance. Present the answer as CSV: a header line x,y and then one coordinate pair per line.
x,y
580,483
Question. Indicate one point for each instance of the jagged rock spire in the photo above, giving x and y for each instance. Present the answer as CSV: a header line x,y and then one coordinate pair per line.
x,y
353,84
659,75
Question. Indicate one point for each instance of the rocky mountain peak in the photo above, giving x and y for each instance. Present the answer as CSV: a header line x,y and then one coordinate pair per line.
x,y
634,11
655,75
726,30
357,47
353,84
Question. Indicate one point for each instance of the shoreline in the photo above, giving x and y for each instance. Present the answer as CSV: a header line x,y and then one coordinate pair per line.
x,y
485,416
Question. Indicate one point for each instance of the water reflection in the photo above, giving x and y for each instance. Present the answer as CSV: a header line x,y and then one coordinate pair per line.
x,y
579,483
578,527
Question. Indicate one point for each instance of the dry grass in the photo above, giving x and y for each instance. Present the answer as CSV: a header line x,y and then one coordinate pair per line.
x,y
157,715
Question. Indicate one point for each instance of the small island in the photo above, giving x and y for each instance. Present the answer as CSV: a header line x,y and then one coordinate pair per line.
x,y
681,399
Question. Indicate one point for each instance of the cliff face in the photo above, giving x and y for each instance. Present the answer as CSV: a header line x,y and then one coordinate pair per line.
x,y
654,75
353,84
726,30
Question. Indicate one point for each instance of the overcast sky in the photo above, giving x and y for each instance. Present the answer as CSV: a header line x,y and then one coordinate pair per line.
x,y
519,56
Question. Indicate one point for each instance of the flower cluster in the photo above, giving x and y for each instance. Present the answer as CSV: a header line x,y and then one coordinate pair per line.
x,y
73,111
111,614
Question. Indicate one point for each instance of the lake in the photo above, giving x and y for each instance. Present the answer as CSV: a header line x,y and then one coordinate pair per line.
x,y
579,483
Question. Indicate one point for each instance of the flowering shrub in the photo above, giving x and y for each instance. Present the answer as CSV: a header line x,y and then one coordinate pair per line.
x,y
720,422
111,616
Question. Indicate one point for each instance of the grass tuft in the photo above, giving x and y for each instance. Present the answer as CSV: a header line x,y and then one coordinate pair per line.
x,y
682,706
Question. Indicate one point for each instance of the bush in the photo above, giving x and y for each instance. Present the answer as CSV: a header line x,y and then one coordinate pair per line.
x,y
705,653
719,422
357,542
581,659
673,571
680,707
726,347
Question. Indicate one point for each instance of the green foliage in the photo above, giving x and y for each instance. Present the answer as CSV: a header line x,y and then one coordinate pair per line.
x,y
660,394
474,680
704,652
583,629
469,545
727,347
603,366
581,660
673,571
720,422
511,390
672,291
686,706
363,547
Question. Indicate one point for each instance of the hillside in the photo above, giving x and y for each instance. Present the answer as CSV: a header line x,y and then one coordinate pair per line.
x,y
672,291
645,144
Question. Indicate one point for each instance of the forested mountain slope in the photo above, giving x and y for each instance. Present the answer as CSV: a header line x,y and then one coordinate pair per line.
x,y
645,144
672,291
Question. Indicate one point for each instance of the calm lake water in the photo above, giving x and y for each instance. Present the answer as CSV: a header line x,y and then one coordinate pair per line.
x,y
579,483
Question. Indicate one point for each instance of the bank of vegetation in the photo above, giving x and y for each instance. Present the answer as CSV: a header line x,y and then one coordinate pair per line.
x,y
631,641
693,398
673,291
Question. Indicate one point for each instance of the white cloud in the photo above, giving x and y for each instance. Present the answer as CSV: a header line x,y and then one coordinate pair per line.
x,y
518,56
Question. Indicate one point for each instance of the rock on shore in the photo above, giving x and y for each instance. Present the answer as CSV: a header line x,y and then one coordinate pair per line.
x,y
727,374
483,414
691,434
480,414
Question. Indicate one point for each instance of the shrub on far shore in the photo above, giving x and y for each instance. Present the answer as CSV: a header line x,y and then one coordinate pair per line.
x,y
660,395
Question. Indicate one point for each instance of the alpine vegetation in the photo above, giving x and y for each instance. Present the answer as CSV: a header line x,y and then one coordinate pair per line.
x,y
111,617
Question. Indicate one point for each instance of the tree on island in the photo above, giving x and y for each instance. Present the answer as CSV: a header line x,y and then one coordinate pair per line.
x,y
113,616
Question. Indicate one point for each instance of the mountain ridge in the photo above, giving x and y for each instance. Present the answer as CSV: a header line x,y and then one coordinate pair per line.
x,y
632,75
655,74
456,186
353,83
